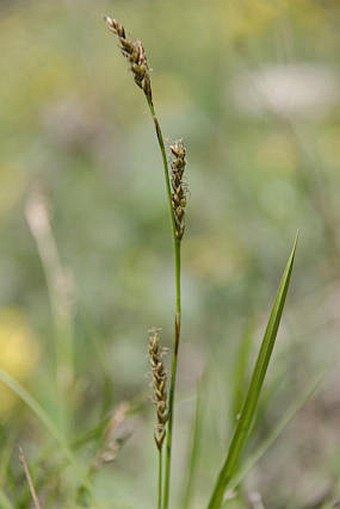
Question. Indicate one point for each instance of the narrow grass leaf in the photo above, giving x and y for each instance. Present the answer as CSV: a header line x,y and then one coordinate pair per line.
x,y
241,364
43,417
288,416
245,420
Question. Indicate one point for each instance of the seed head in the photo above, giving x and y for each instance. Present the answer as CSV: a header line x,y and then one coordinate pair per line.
x,y
134,52
159,381
178,186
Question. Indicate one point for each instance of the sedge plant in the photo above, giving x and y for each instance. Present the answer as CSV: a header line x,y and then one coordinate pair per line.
x,y
233,469
134,52
164,399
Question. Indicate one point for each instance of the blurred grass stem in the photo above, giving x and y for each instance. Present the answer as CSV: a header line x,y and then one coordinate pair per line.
x,y
29,479
60,290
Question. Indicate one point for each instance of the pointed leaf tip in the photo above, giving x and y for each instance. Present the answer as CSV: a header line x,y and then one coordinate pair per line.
x,y
244,424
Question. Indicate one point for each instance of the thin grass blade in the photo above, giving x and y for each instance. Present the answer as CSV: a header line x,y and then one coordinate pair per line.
x,y
43,417
288,416
241,363
245,421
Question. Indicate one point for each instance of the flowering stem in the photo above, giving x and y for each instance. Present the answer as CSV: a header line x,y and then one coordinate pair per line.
x,y
165,166
133,51
177,256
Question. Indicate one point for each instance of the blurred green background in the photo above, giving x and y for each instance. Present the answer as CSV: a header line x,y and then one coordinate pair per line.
x,y
252,86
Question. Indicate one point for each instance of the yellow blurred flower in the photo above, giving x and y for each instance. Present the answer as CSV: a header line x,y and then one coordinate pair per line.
x,y
19,353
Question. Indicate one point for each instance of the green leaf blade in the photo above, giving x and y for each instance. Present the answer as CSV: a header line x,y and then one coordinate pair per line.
x,y
244,423
48,423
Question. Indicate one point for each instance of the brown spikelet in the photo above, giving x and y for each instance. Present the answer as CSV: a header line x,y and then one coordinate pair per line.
x,y
178,187
159,380
134,52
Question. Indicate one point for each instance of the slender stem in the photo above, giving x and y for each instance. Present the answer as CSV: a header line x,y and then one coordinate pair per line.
x,y
173,375
177,255
161,143
160,478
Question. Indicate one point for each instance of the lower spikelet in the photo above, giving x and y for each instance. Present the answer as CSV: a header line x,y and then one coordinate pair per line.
x,y
159,380
178,186
134,52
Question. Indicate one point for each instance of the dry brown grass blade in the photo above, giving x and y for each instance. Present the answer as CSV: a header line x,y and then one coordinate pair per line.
x,y
29,479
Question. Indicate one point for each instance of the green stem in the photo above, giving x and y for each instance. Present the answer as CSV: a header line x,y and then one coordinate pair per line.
x,y
166,169
173,376
177,256
160,478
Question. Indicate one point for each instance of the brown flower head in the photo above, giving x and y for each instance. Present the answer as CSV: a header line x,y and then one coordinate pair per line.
x,y
179,193
134,52
159,380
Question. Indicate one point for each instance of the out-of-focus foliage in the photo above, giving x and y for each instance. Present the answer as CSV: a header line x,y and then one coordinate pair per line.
x,y
19,352
253,88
